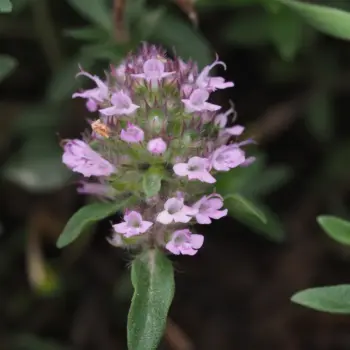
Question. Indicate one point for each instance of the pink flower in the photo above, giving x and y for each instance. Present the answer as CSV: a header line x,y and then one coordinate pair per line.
x,y
212,83
156,146
153,70
197,102
97,189
100,93
122,105
185,243
79,157
196,168
175,210
132,134
221,119
227,157
208,208
133,225
232,131
91,105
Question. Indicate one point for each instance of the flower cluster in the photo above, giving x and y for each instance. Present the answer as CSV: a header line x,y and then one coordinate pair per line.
x,y
159,141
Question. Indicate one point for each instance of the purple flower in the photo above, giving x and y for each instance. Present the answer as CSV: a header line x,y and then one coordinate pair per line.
x,y
156,146
99,94
208,208
185,243
133,225
212,83
122,105
227,157
79,157
91,105
132,134
196,168
97,189
232,131
175,210
153,70
221,119
197,102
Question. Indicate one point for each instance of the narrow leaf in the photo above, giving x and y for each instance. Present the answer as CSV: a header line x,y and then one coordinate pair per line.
x,y
326,19
333,299
336,228
86,216
272,229
243,205
7,65
5,6
95,11
152,276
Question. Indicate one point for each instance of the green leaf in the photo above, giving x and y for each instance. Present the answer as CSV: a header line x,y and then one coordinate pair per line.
x,y
38,166
336,228
5,6
95,11
86,216
286,33
187,42
152,180
7,65
333,299
152,276
239,30
64,82
319,114
328,20
239,204
272,229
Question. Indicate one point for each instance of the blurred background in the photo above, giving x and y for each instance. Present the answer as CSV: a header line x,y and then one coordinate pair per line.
x,y
290,61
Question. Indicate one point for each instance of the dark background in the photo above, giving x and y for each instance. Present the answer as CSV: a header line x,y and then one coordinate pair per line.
x,y
292,91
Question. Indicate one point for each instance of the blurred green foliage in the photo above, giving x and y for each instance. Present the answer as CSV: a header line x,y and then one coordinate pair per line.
x,y
285,36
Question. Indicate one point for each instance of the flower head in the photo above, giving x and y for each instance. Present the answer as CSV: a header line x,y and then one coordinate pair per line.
x,y
133,225
221,119
175,210
196,168
156,146
208,208
184,242
132,134
79,157
197,102
122,105
227,157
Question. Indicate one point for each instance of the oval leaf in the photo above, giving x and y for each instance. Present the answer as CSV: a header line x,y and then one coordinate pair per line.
x,y
94,10
152,181
86,216
240,204
328,20
152,276
7,65
336,228
5,6
333,299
